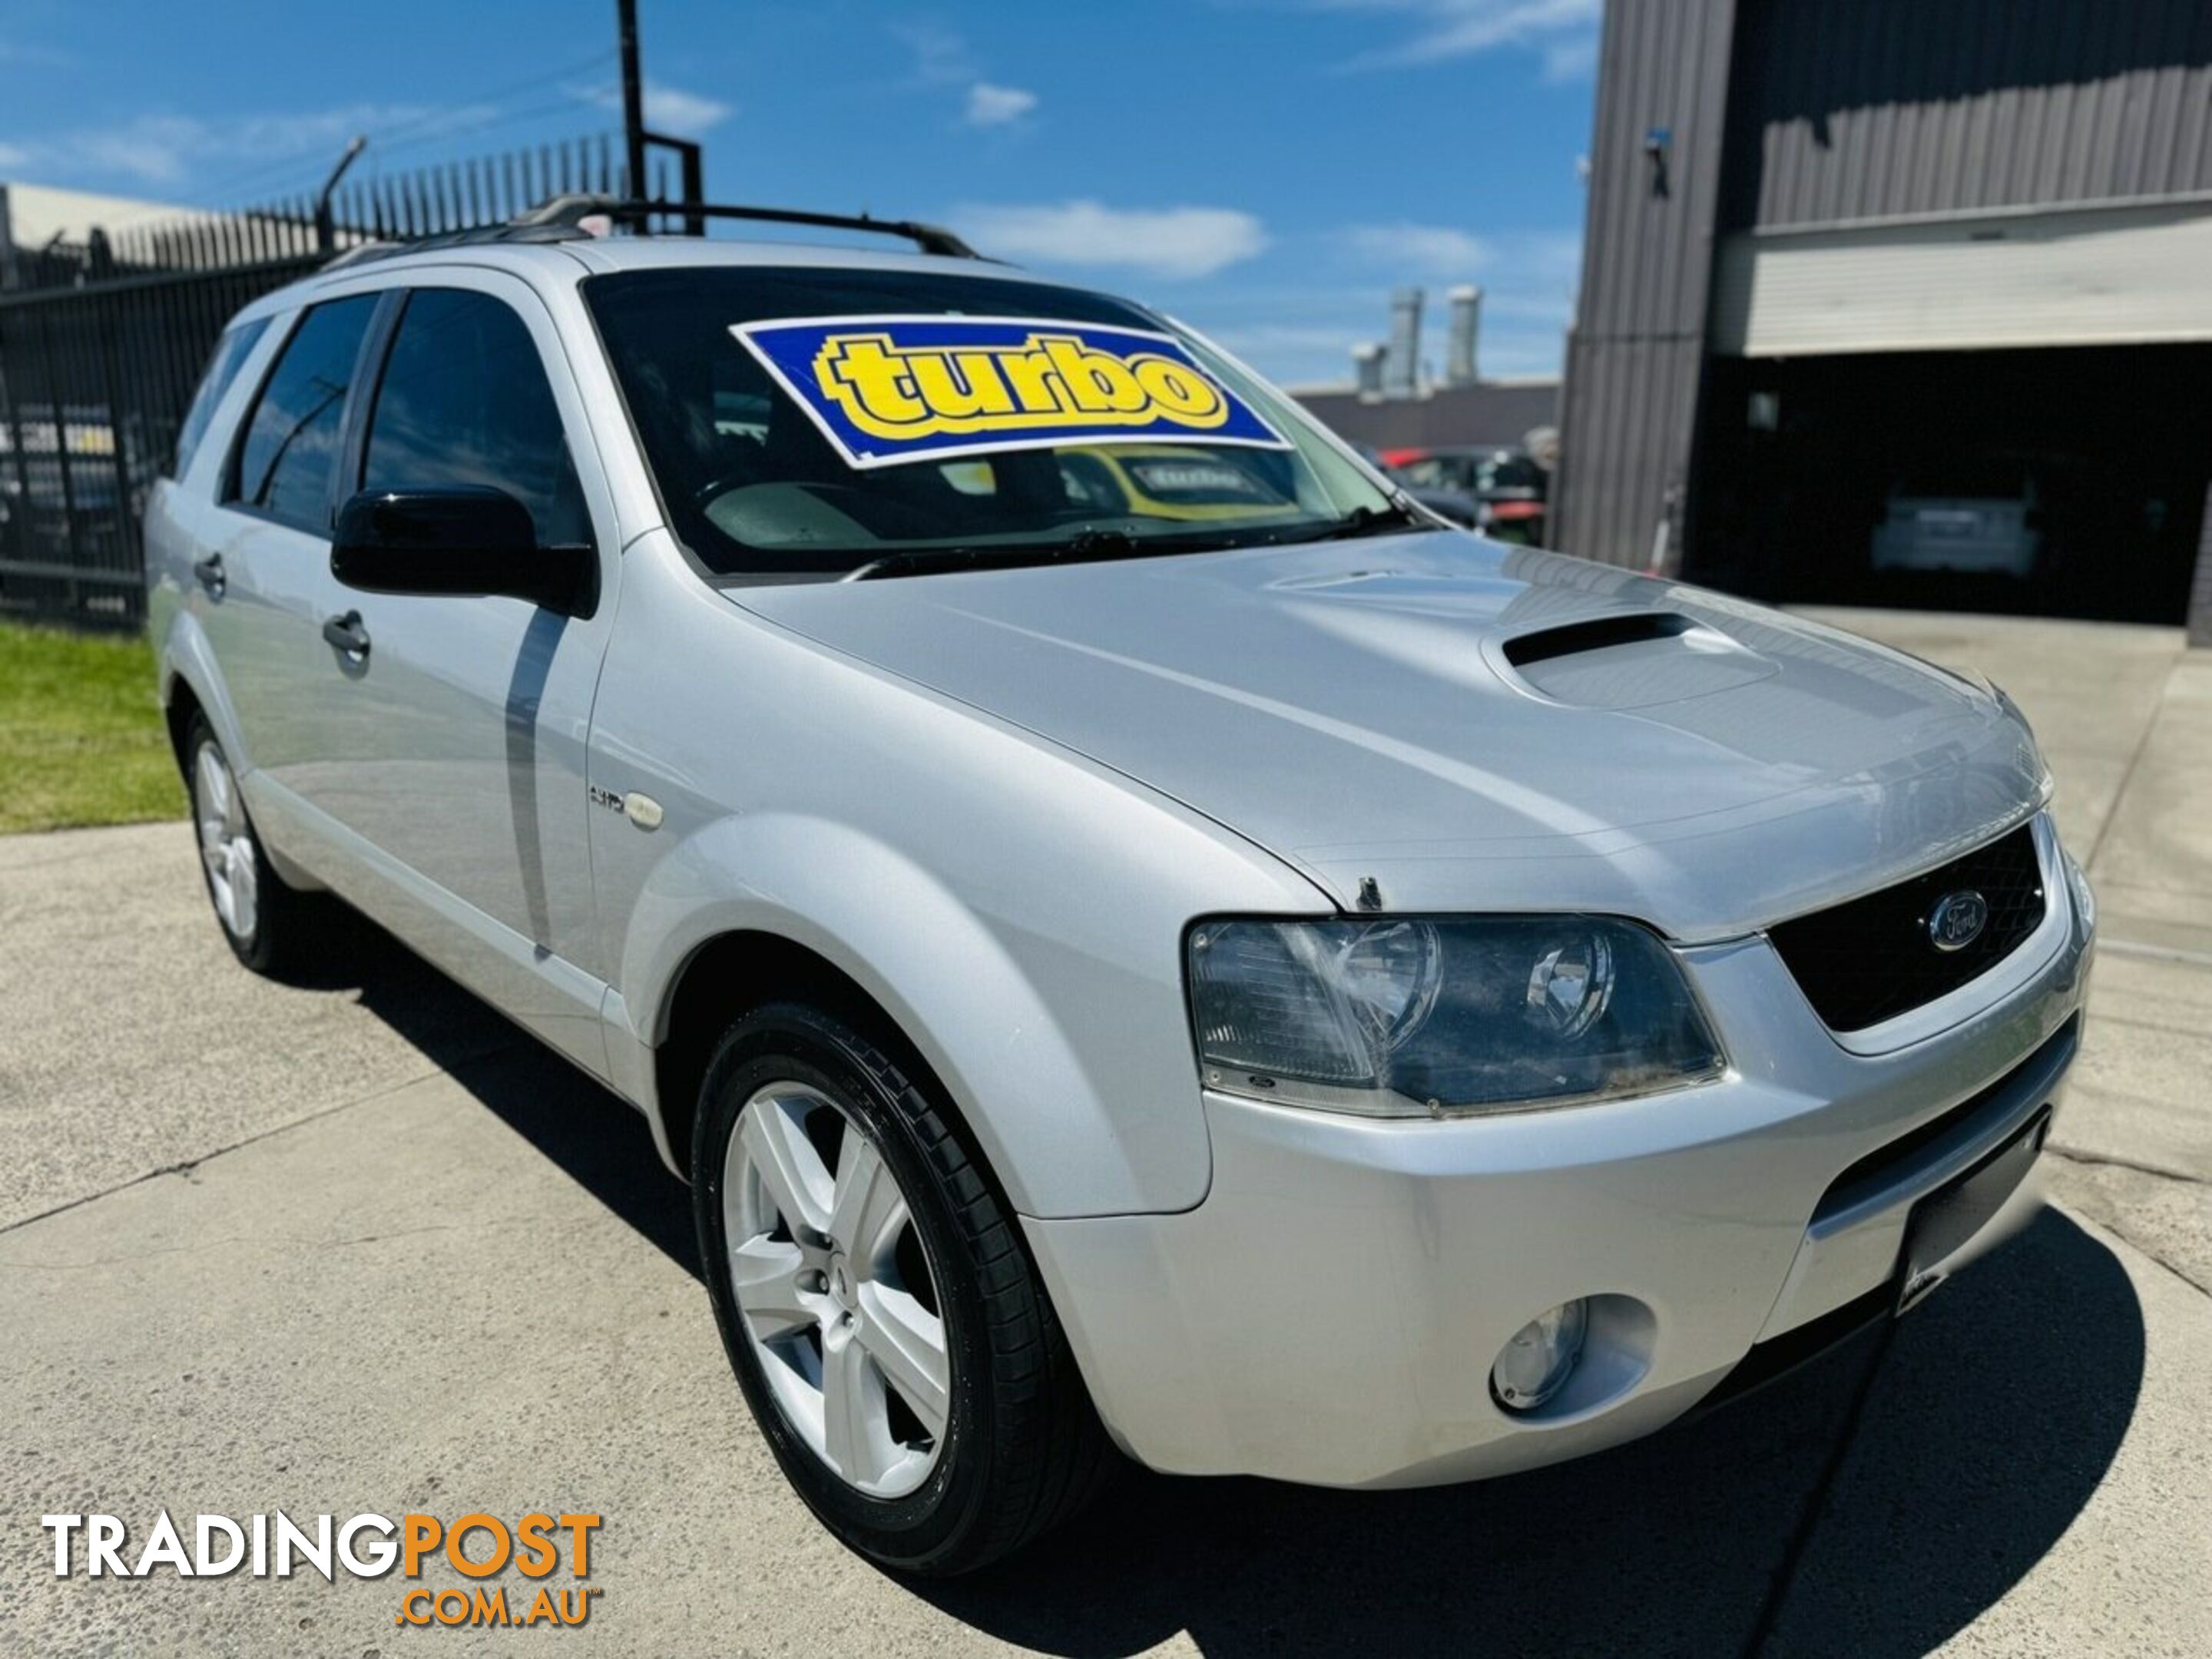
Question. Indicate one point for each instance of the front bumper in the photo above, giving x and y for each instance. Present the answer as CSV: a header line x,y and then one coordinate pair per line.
x,y
1329,1314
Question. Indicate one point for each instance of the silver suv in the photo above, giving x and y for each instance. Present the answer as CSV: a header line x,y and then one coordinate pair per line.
x,y
1225,968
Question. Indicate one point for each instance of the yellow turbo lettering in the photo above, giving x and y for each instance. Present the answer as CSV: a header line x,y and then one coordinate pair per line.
x,y
904,393
867,372
960,384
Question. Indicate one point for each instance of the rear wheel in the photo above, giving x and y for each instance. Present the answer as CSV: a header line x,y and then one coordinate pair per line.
x,y
887,1327
270,926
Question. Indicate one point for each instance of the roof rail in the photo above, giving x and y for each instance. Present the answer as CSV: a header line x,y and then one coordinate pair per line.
x,y
514,231
570,210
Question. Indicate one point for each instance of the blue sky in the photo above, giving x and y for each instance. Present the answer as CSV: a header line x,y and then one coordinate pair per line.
x,y
1268,170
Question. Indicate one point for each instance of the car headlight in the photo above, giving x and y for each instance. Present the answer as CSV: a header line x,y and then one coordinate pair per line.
x,y
1395,1017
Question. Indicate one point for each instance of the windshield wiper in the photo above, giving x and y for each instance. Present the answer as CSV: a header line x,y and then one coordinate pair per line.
x,y
1364,521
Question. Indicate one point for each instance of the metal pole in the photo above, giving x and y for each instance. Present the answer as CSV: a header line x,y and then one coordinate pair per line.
x,y
125,551
326,230
692,177
694,189
633,91
53,377
18,527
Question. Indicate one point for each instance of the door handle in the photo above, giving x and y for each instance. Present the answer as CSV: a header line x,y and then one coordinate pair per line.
x,y
210,571
348,634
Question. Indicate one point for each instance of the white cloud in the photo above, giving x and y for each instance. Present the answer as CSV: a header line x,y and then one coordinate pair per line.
x,y
1419,250
1179,241
154,150
14,51
12,157
1571,59
160,149
990,106
1565,31
686,115
941,58
668,109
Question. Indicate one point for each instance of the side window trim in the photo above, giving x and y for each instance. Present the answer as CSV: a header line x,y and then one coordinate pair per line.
x,y
227,485
367,386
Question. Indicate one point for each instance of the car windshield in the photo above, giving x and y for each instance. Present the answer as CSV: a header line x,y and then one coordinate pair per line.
x,y
807,424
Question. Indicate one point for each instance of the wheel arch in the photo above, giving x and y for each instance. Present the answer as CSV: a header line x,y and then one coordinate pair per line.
x,y
191,684
180,706
805,906
725,978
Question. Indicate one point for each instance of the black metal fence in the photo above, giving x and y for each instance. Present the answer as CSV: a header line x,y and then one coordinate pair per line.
x,y
101,344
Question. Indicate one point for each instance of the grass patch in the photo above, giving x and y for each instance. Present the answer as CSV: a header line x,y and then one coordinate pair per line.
x,y
82,739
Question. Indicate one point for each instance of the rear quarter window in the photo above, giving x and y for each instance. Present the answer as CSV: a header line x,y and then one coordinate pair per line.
x,y
228,357
289,450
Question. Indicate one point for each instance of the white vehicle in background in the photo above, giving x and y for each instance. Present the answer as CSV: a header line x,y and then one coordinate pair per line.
x,y
1978,514
1219,967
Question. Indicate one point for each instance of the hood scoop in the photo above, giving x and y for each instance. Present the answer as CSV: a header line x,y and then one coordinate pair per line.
x,y
1630,659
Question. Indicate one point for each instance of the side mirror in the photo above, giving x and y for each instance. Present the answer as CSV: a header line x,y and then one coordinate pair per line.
x,y
457,541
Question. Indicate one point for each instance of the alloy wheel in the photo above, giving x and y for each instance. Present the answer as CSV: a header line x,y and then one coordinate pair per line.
x,y
835,1289
233,870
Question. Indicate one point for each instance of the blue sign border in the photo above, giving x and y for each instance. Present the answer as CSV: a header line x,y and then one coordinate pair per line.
x,y
801,339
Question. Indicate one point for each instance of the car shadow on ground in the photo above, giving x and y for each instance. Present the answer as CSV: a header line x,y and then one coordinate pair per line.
x,y
1985,1427
598,1141
1873,1504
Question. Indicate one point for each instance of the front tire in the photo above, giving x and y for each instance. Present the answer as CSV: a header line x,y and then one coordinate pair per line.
x,y
887,1327
270,926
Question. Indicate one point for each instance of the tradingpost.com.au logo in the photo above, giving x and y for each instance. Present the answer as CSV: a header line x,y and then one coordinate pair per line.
x,y
537,1547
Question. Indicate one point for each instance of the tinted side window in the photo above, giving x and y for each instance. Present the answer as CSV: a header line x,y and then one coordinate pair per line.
x,y
291,443
230,354
464,401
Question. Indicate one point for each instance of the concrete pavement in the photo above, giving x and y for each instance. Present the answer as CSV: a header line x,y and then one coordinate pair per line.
x,y
362,1248
2125,716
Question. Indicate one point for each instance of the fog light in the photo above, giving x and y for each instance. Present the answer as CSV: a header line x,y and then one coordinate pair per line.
x,y
1532,1366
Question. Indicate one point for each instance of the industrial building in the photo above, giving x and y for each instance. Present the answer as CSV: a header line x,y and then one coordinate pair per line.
x,y
1393,403
1900,301
35,218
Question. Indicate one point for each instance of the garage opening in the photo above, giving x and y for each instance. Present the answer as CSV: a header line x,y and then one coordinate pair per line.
x,y
2062,481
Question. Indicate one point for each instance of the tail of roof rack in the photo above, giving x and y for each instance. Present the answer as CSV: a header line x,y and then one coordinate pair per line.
x,y
563,219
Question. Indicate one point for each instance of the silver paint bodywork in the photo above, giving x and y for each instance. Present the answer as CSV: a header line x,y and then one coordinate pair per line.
x,y
996,801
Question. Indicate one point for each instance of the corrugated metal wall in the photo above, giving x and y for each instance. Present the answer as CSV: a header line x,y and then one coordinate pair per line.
x,y
1832,111
1633,362
1882,108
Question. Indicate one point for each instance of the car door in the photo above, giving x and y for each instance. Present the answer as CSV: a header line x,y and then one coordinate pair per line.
x,y
455,750
264,572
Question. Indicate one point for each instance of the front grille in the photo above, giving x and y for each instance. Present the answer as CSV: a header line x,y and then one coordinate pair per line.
x,y
1871,959
1982,1118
